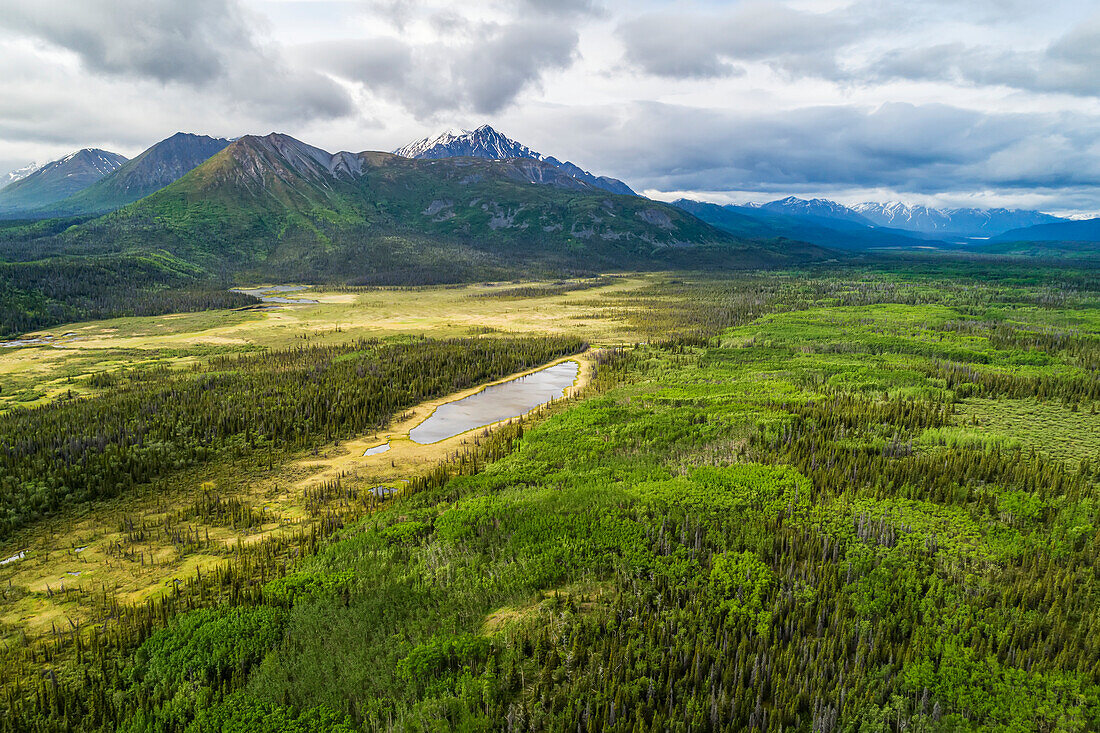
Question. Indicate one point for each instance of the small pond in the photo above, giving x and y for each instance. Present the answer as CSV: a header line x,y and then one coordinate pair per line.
x,y
497,402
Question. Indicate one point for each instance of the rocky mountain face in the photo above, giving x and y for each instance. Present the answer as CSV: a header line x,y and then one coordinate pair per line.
x,y
160,165
485,142
58,180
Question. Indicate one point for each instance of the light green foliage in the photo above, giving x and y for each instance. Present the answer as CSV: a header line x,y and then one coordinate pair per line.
x,y
742,581
289,588
175,671
240,714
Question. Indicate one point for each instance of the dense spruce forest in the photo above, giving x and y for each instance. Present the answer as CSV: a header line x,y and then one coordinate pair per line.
x,y
814,501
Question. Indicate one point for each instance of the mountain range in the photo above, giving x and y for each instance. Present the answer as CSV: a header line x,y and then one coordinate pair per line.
x,y
485,142
1085,230
18,174
973,223
194,213
274,207
770,223
872,226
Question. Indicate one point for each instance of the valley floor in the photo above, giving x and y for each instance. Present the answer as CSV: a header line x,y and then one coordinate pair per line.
x,y
793,501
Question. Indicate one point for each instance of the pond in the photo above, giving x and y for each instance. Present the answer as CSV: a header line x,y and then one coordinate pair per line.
x,y
496,402
269,293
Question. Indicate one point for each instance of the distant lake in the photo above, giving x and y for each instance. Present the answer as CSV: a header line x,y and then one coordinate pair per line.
x,y
497,402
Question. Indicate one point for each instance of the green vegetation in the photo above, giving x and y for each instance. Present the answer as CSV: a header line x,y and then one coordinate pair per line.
x,y
148,424
809,503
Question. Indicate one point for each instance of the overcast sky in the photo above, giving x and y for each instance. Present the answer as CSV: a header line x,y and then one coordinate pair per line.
x,y
949,102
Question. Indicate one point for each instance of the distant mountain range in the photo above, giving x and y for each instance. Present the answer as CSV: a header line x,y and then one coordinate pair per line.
x,y
819,210
810,225
58,180
974,223
922,220
485,142
1085,230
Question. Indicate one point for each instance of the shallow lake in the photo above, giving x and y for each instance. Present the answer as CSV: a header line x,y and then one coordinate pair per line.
x,y
495,403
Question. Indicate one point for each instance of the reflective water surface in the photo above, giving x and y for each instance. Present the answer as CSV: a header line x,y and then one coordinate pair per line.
x,y
495,403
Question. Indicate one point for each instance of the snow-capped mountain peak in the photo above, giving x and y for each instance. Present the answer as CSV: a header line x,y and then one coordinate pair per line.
x,y
485,142
818,208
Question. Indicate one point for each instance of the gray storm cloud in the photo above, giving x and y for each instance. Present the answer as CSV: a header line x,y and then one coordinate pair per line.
x,y
203,44
483,72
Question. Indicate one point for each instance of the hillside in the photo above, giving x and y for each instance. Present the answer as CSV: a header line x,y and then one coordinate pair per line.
x,y
275,207
56,181
163,163
1087,230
